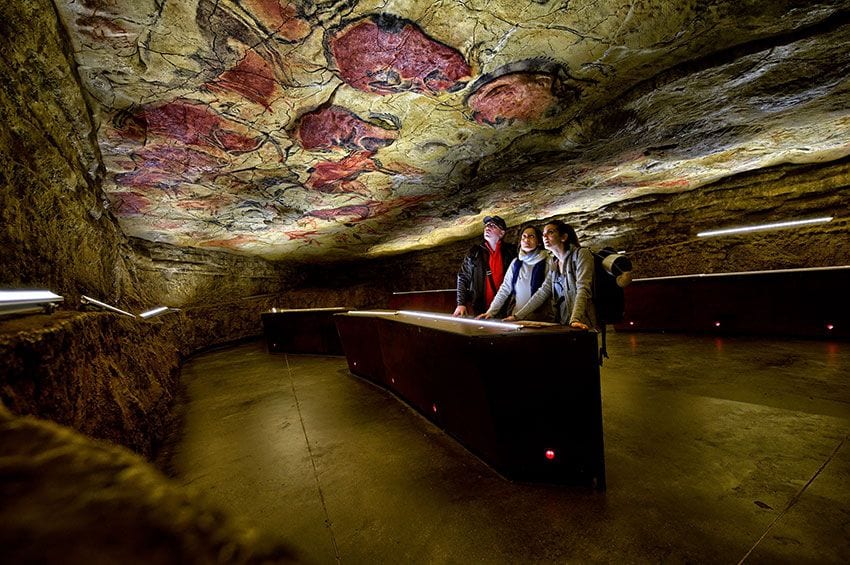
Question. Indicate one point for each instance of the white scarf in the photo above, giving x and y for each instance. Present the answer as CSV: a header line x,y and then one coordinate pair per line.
x,y
533,257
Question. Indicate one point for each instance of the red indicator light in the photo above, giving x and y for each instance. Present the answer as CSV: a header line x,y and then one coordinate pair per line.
x,y
631,323
434,408
392,380
550,454
716,324
830,327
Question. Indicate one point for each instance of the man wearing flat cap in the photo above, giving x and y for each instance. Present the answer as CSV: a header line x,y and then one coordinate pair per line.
x,y
483,269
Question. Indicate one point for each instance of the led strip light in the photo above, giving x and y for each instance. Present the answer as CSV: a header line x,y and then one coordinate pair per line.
x,y
776,225
738,273
88,300
446,317
27,301
372,312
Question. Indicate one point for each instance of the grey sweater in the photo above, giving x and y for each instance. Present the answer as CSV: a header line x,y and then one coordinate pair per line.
x,y
570,287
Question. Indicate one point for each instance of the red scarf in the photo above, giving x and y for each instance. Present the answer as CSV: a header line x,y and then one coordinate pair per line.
x,y
494,281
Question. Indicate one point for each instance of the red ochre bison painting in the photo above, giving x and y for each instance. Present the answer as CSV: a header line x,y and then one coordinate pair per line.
x,y
366,210
334,127
329,176
129,204
522,91
166,166
192,124
169,152
518,96
253,79
340,176
385,54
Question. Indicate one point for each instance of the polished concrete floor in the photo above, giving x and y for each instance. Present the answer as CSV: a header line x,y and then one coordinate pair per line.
x,y
718,450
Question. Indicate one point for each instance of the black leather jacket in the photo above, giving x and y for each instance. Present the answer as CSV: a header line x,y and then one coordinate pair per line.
x,y
473,274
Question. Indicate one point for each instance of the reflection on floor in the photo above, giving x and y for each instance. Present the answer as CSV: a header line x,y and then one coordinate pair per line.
x,y
717,449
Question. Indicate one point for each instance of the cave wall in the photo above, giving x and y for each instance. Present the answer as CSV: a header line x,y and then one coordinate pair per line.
x,y
70,499
115,378
664,241
56,232
662,238
107,376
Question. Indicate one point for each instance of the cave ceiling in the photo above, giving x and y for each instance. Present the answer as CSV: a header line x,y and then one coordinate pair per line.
x,y
351,129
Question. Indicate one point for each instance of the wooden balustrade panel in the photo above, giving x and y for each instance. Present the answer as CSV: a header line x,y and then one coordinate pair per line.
x,y
509,396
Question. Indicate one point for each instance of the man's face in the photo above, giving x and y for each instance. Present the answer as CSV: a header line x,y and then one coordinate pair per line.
x,y
491,231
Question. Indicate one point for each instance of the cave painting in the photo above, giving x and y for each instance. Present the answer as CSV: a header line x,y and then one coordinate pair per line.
x,y
338,176
277,17
200,156
192,124
521,91
256,23
167,166
341,176
385,54
334,127
367,210
177,144
278,127
129,203
253,79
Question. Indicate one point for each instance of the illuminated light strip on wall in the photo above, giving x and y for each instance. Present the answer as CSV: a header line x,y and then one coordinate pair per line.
x,y
448,318
425,291
92,302
158,311
773,226
27,296
154,312
27,301
774,272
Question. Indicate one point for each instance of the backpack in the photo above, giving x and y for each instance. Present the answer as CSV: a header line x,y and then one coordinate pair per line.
x,y
612,272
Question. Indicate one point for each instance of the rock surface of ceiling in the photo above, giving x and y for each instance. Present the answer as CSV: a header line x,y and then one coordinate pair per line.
x,y
360,128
